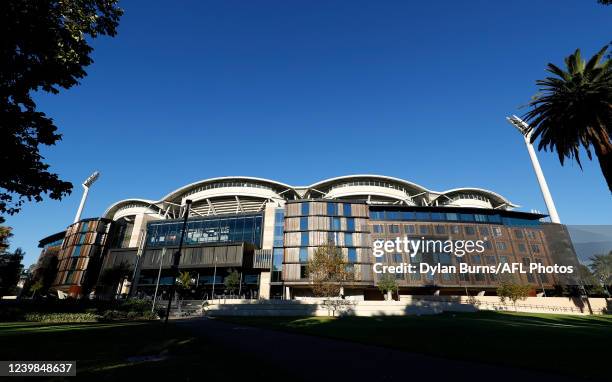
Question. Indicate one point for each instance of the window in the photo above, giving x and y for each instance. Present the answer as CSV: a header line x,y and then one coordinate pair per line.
x,y
399,276
535,248
332,209
422,215
480,218
455,229
378,228
437,216
348,239
452,216
469,230
518,234
303,272
394,228
304,223
304,239
503,259
531,235
484,231
335,224
466,217
347,209
490,260
423,229
397,257
352,255
522,248
487,244
303,255
497,232
305,208
409,229
350,224
440,229
501,246
476,259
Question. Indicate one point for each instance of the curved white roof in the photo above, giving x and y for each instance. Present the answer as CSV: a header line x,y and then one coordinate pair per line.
x,y
370,185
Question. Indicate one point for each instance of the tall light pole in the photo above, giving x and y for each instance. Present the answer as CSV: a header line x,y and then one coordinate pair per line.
x,y
523,128
86,184
176,259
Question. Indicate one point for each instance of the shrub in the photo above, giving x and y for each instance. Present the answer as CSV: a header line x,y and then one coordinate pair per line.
x,y
135,305
150,316
61,317
132,315
91,310
110,315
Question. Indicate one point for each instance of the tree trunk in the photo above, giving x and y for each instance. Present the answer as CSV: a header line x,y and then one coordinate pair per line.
x,y
604,155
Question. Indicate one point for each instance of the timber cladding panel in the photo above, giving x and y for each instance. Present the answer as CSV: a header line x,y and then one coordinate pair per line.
x,y
205,257
312,224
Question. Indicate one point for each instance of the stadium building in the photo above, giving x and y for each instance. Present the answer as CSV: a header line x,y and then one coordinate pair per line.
x,y
267,231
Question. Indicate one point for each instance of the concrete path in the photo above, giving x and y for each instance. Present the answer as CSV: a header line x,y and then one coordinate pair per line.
x,y
310,358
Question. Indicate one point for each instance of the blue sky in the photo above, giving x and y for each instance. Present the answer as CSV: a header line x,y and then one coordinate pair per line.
x,y
298,91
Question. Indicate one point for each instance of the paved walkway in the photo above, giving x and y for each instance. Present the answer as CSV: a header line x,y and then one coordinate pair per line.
x,y
310,358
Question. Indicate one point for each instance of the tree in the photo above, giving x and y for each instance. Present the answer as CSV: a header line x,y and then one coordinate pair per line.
x,y
5,235
328,271
232,281
591,284
45,48
112,276
601,265
387,283
184,283
10,270
512,291
574,111
36,287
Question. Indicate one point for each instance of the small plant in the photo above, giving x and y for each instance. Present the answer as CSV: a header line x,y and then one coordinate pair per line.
x,y
387,283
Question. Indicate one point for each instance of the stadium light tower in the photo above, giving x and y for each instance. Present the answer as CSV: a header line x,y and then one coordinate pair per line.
x,y
86,184
523,128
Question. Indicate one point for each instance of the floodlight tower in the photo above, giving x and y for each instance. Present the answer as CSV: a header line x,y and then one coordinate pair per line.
x,y
523,128
86,184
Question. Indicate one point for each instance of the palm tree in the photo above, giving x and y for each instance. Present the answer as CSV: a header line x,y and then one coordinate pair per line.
x,y
574,110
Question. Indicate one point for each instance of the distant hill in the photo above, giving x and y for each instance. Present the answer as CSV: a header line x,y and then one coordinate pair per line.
x,y
590,240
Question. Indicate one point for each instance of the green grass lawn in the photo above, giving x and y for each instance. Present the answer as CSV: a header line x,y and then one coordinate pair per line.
x,y
573,345
106,351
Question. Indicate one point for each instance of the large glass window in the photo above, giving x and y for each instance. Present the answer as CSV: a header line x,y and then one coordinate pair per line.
x,y
304,223
305,208
304,239
348,239
303,255
347,209
332,209
335,224
241,228
350,224
352,255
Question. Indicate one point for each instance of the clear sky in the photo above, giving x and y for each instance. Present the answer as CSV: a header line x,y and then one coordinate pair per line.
x,y
298,91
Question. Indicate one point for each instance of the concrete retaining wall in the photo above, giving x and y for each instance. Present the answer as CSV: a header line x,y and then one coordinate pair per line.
x,y
419,305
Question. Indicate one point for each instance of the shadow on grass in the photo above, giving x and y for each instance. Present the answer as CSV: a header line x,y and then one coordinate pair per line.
x,y
550,343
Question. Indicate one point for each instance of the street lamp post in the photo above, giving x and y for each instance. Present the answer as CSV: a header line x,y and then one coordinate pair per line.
x,y
86,184
176,259
523,128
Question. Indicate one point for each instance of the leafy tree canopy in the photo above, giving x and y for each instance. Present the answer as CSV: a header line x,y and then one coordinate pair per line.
x,y
44,47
